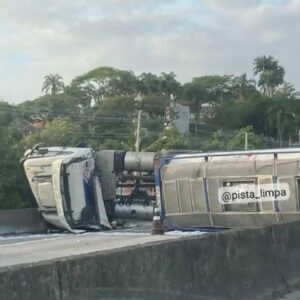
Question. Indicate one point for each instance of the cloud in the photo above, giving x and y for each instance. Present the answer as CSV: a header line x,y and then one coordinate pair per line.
x,y
191,38
262,27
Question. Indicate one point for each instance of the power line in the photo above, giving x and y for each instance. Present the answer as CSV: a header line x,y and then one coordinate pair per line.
x,y
77,116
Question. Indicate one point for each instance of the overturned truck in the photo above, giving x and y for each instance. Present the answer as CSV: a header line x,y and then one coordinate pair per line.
x,y
79,188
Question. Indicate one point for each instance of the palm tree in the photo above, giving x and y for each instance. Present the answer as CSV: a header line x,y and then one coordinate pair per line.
x,y
53,84
282,118
90,94
242,87
168,84
148,83
287,91
195,95
271,75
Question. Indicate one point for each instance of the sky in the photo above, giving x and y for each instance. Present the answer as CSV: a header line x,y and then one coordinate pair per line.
x,y
189,37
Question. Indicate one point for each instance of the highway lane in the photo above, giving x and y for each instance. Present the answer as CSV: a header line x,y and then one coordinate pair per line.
x,y
291,296
13,239
36,248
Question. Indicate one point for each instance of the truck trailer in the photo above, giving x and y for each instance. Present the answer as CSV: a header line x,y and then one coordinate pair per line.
x,y
230,189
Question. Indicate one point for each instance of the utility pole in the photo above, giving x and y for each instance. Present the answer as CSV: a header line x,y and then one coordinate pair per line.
x,y
246,140
138,129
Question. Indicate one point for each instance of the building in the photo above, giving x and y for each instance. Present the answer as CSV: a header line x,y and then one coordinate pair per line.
x,y
178,116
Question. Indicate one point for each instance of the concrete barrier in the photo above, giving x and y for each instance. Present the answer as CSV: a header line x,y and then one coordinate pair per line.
x,y
286,243
260,263
16,221
39,281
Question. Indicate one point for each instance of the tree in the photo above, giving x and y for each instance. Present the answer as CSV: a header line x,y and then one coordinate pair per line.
x,y
234,114
48,107
171,139
53,84
7,113
243,87
116,144
59,132
195,95
104,82
202,90
218,141
287,91
154,105
283,118
238,141
219,88
148,84
14,190
271,75
168,84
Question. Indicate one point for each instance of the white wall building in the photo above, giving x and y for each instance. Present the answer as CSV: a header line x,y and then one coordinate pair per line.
x,y
178,116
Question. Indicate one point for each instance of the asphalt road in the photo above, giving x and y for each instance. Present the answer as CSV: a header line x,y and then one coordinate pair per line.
x,y
34,248
291,296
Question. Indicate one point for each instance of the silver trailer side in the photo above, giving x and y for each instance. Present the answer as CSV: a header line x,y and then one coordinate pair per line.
x,y
190,186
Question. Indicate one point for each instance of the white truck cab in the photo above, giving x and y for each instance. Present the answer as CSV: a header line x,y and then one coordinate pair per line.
x,y
64,186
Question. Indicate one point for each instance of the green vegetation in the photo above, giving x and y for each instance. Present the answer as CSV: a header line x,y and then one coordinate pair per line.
x,y
53,84
100,109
